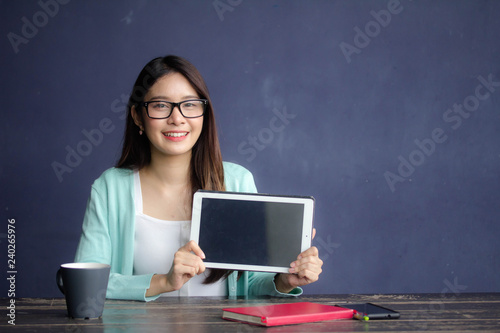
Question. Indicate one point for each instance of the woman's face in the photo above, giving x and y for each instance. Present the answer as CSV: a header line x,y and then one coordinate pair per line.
x,y
174,135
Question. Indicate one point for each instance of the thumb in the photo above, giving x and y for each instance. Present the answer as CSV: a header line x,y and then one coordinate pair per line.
x,y
191,246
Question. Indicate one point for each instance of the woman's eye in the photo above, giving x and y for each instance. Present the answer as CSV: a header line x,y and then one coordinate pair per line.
x,y
161,106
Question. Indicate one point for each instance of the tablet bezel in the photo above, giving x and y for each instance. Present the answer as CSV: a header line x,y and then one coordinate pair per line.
x,y
307,223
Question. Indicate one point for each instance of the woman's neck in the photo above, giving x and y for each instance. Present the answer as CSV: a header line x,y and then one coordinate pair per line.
x,y
170,170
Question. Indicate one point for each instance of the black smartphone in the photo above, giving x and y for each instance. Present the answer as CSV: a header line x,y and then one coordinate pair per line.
x,y
368,311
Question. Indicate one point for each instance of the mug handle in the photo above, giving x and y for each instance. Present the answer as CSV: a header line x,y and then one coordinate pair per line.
x,y
59,281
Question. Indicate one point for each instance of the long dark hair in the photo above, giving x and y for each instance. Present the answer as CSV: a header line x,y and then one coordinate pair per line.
x,y
206,160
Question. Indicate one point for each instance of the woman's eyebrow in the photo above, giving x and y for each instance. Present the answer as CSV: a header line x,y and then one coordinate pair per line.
x,y
159,97
190,97
165,98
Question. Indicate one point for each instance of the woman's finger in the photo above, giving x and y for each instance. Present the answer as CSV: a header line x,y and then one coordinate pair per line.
x,y
191,246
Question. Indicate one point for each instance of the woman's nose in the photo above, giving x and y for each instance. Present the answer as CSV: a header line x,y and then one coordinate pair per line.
x,y
176,116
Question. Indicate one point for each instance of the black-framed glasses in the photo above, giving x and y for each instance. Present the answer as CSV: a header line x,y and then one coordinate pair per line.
x,y
192,108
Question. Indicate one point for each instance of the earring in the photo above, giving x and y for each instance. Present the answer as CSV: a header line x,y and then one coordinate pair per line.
x,y
140,131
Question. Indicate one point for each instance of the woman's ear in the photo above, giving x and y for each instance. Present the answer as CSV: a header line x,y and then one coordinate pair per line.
x,y
137,117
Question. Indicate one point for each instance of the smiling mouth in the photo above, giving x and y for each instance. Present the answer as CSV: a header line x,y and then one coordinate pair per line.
x,y
175,135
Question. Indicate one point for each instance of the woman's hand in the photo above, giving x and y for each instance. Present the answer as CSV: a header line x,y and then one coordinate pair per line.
x,y
305,270
187,264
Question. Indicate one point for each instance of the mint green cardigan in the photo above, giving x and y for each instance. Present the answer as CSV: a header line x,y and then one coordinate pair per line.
x,y
109,229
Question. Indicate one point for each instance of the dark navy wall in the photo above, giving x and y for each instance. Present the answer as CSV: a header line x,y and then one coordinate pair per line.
x,y
387,112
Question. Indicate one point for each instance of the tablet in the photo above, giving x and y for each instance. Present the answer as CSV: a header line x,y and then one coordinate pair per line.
x,y
253,232
369,311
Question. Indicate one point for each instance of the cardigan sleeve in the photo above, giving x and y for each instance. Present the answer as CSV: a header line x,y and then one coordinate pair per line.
x,y
98,244
261,283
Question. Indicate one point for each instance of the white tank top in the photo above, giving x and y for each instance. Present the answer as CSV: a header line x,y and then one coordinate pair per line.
x,y
156,242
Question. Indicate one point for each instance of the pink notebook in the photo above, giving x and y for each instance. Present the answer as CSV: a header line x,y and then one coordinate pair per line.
x,y
286,314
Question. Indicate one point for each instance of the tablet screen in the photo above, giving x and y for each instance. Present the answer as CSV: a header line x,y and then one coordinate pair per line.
x,y
272,231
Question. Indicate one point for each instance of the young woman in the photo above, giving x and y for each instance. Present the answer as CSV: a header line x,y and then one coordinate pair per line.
x,y
138,214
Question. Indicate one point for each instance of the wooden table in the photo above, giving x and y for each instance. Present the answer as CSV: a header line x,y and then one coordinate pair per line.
x,y
419,312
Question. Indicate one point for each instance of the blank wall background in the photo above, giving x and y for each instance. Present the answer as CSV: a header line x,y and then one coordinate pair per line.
x,y
387,112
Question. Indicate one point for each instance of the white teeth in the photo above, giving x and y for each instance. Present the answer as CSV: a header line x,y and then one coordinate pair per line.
x,y
175,135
